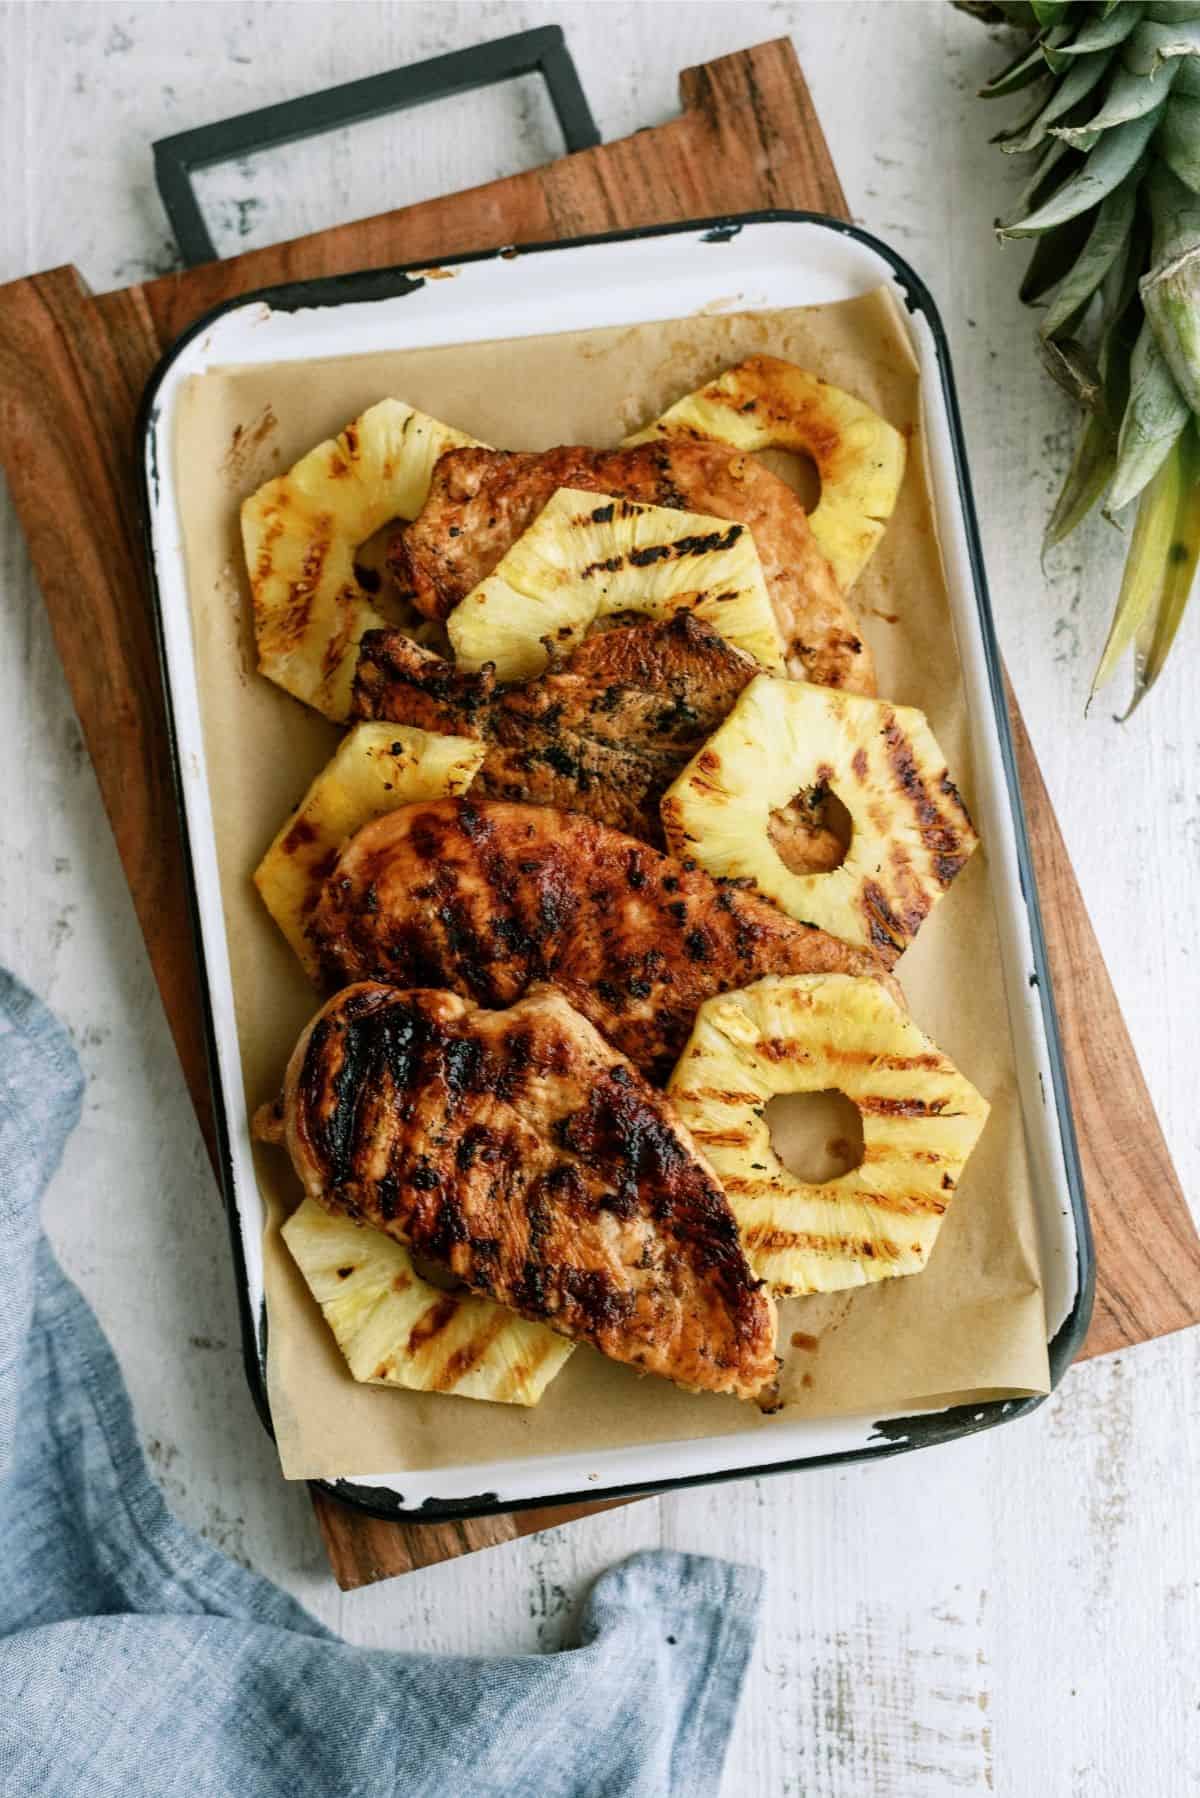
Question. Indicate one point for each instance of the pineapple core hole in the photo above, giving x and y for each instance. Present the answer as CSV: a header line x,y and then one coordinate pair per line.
x,y
811,833
798,471
817,1136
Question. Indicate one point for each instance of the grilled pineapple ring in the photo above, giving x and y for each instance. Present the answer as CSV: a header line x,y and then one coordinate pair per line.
x,y
300,533
911,832
587,556
921,1119
395,1329
376,768
765,403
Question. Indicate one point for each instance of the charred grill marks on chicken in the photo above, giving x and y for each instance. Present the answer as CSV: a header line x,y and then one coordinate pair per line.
x,y
605,734
520,1152
485,898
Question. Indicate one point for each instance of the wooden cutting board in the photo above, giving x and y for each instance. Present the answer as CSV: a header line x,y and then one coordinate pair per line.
x,y
72,369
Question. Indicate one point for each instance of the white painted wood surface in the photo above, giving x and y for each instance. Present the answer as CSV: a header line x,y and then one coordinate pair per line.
x,y
1017,1613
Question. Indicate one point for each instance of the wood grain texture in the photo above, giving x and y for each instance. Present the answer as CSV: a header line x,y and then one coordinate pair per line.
x,y
1147,1251
70,391
71,371
375,1549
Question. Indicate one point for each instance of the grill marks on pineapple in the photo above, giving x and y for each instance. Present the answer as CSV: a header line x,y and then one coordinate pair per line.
x,y
797,746
487,898
435,1319
920,1121
302,592
765,403
480,503
885,1105
396,1328
461,1360
566,577
678,550
946,830
769,1241
449,1373
580,1202
302,533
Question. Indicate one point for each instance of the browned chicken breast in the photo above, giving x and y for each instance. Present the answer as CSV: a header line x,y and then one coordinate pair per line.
x,y
521,1153
488,898
480,501
605,734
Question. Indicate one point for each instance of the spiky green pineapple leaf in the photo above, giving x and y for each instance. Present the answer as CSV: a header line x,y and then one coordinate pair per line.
x,y
1115,136
1108,235
1170,291
1141,583
1178,139
1054,256
1117,152
1026,67
1154,419
1057,163
1151,45
1038,99
1174,215
1091,470
1095,459
1072,365
1067,94
1105,30
1129,97
1160,623
1118,289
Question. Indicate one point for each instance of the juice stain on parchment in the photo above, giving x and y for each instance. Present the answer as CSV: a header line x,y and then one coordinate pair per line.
x,y
245,463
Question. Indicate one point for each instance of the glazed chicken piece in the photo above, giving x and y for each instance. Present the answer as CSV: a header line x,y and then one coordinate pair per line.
x,y
480,501
516,1150
488,898
605,734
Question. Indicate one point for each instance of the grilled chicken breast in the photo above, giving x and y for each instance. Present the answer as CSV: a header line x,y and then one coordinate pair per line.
x,y
605,734
480,501
520,1152
488,898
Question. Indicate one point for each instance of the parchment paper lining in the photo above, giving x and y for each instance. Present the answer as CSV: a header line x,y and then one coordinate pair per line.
x,y
972,1325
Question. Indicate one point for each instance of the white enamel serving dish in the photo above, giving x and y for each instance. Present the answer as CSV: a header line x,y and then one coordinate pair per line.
x,y
770,260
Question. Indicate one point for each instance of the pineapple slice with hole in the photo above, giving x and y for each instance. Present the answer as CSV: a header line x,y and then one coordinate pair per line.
x,y
301,531
586,557
920,1121
376,768
910,833
765,403
396,1329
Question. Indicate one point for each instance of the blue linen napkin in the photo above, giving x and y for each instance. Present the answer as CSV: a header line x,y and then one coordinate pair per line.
x,y
137,1660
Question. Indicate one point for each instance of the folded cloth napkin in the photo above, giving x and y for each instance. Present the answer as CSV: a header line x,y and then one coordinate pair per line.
x,y
136,1660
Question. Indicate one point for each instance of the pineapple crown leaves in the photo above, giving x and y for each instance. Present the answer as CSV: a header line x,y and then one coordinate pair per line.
x,y
1112,209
